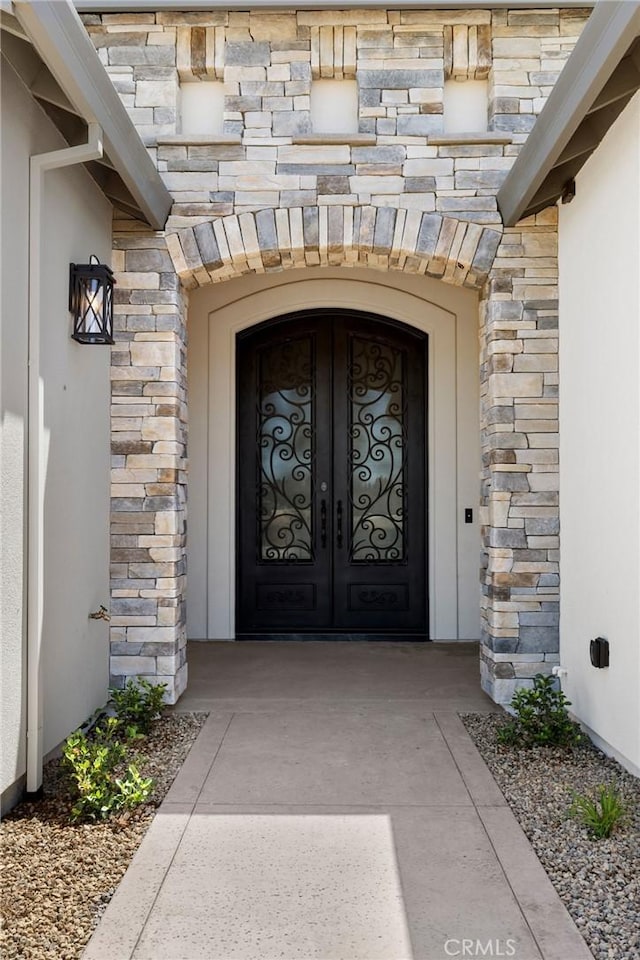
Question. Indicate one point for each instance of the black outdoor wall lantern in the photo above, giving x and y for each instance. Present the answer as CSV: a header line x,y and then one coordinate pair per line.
x,y
91,301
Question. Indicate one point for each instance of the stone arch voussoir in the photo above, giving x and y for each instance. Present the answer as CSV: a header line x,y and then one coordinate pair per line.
x,y
384,238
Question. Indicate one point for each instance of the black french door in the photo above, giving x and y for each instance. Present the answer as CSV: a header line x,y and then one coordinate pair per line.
x,y
331,525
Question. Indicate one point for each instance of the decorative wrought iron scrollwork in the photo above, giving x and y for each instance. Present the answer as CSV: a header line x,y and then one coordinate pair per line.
x,y
285,444
377,451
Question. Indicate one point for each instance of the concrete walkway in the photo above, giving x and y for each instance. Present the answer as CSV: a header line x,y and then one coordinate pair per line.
x,y
334,808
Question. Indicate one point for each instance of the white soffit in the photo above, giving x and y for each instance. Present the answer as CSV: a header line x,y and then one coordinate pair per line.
x,y
47,45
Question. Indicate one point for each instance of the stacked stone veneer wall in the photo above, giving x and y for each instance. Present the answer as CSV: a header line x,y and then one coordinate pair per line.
x,y
268,194
519,422
148,476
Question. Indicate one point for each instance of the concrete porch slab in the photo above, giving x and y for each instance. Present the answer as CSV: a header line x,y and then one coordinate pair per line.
x,y
357,828
239,675
352,755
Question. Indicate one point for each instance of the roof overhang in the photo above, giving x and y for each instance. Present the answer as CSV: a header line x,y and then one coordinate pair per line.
x,y
46,44
600,78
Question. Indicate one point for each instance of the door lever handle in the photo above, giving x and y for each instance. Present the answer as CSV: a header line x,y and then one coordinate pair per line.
x,y
339,537
323,523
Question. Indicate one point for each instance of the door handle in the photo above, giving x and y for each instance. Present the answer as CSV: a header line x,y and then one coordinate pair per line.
x,y
339,538
323,523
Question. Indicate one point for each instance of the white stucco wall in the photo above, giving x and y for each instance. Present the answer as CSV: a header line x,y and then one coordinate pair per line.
x,y
600,437
449,316
76,223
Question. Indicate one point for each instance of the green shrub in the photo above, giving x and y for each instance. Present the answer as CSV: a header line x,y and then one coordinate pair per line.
x,y
601,814
93,764
134,788
137,705
541,717
103,779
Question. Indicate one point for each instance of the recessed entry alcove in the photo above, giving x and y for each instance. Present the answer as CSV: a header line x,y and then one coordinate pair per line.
x,y
405,564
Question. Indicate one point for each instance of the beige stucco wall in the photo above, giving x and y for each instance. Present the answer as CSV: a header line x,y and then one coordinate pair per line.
x,y
76,222
600,437
448,315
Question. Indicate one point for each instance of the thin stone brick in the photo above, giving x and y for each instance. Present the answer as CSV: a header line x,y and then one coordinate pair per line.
x,y
384,229
365,232
430,226
207,245
310,226
267,236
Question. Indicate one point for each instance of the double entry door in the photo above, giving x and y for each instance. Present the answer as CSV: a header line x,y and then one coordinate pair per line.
x,y
331,524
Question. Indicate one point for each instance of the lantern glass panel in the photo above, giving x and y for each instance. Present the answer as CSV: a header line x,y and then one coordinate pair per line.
x,y
91,302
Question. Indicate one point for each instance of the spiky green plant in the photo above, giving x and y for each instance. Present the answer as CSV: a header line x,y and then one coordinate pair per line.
x,y
601,813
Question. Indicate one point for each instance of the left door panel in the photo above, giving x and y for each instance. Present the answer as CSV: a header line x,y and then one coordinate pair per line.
x,y
284,432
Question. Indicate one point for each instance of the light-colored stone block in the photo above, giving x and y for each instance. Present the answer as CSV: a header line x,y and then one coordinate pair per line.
x,y
515,384
156,93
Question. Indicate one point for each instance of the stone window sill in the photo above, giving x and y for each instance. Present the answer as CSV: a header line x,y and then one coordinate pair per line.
x,y
488,136
351,139
198,140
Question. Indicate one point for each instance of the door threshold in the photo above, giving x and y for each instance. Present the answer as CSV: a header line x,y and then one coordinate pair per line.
x,y
337,637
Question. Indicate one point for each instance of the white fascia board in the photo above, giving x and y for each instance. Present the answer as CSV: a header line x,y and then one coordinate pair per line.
x,y
57,33
608,34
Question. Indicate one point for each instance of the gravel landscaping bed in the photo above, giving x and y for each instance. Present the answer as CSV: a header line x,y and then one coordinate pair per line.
x,y
57,878
598,880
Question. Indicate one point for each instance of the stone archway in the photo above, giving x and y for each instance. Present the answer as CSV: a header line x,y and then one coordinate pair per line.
x,y
382,238
516,274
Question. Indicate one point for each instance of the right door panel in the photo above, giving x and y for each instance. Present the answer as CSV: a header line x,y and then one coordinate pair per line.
x,y
379,442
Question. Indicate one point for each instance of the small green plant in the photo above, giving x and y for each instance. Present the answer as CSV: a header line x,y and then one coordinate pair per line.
x,y
541,717
508,734
137,705
601,814
134,788
109,733
103,778
93,764
132,733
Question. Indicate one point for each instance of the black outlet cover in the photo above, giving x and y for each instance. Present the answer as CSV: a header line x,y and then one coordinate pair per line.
x,y
599,652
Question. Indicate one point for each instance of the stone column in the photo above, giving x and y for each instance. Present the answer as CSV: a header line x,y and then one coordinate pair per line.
x,y
519,423
149,425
